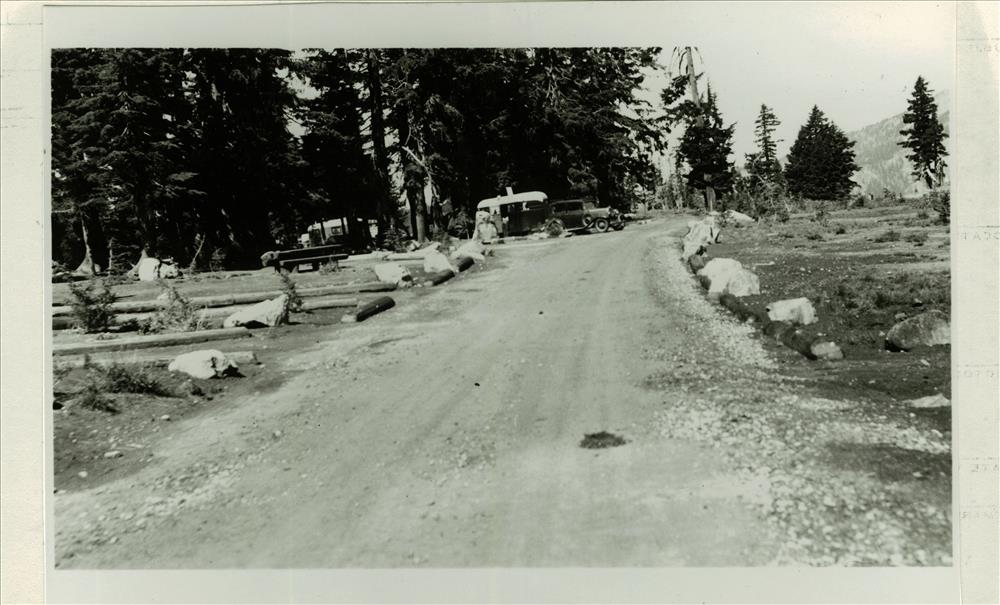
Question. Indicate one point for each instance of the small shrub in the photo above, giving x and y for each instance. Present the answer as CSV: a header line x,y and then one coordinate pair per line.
x,y
218,260
840,230
91,396
92,309
940,202
395,240
822,216
782,214
922,215
293,300
132,378
177,315
889,236
917,237
815,237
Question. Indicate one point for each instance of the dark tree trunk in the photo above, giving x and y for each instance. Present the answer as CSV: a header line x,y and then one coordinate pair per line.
x,y
95,257
385,212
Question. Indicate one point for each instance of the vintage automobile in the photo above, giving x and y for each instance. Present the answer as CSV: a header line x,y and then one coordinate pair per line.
x,y
517,213
583,215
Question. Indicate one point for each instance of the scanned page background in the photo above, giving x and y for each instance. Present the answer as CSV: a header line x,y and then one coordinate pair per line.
x,y
24,261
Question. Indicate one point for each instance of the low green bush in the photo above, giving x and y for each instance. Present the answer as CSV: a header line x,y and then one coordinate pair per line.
x,y
91,306
132,378
889,236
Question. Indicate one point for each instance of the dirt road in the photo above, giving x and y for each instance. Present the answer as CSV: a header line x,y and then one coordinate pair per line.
x,y
446,433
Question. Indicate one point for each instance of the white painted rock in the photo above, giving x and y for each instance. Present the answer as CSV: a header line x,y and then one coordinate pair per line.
x,y
727,276
267,313
927,330
435,261
931,401
795,310
207,363
739,218
151,269
393,273
430,248
698,237
473,249
826,350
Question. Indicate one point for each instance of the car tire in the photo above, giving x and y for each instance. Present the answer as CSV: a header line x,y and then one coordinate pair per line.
x,y
601,224
619,227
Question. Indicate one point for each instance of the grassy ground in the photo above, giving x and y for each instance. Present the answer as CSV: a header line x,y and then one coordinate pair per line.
x,y
863,270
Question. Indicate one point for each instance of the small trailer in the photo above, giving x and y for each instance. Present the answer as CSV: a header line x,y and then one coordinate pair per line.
x,y
291,260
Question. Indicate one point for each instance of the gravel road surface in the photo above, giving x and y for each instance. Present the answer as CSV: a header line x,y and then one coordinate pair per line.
x,y
446,433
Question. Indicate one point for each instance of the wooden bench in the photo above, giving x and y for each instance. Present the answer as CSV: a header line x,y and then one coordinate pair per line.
x,y
290,260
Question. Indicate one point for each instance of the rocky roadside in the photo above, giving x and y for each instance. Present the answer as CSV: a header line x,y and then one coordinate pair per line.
x,y
853,480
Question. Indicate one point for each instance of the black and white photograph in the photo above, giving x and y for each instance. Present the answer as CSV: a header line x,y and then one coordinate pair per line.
x,y
501,307
413,288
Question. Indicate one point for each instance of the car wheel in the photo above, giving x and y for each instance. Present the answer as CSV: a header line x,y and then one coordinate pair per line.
x,y
601,224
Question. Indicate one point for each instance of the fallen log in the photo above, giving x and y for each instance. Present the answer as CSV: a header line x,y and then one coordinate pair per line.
x,y
367,309
158,360
144,342
436,279
464,262
227,300
331,302
743,311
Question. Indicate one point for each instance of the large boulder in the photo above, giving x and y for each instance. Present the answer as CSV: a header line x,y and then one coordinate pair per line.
x,y
263,314
435,261
795,310
728,276
826,350
207,363
931,401
698,238
700,235
472,249
152,269
393,273
925,330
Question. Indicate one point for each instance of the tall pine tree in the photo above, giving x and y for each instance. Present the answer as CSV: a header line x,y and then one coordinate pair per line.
x,y
924,136
821,161
763,168
706,146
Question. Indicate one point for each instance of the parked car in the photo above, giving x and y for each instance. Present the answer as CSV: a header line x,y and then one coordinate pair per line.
x,y
584,215
517,213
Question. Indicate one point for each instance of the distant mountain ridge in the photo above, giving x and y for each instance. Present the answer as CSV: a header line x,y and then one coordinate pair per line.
x,y
883,164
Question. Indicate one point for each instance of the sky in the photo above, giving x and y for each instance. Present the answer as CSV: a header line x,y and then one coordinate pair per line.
x,y
857,61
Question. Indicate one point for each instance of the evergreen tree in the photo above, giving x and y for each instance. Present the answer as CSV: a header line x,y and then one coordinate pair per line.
x,y
148,184
80,109
245,157
763,167
821,161
924,136
343,178
706,146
